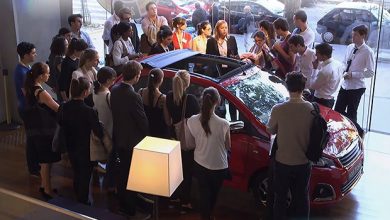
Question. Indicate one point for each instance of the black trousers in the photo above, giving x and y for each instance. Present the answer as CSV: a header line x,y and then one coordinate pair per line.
x,y
184,191
210,183
347,104
82,172
294,178
127,198
325,102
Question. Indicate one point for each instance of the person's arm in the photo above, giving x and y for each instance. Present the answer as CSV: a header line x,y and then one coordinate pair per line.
x,y
62,81
117,51
272,126
194,46
228,143
167,117
193,107
211,47
45,98
289,57
164,21
139,115
145,25
368,71
318,79
96,126
106,32
88,39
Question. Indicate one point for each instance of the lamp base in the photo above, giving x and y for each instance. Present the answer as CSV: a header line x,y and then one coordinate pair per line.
x,y
4,126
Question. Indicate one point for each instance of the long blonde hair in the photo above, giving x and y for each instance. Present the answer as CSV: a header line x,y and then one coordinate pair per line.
x,y
87,55
181,81
217,25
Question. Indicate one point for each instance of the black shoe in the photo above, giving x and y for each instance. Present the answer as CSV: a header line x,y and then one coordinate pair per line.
x,y
45,196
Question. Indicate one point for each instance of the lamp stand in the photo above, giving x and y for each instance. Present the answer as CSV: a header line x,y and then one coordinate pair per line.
x,y
155,208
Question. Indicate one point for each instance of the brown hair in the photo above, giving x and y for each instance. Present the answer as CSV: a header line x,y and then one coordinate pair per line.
x,y
131,69
210,97
32,75
78,86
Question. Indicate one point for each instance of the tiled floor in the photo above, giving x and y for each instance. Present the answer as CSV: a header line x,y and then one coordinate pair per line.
x,y
368,200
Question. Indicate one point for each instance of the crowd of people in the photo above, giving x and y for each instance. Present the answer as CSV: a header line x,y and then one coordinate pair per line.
x,y
89,102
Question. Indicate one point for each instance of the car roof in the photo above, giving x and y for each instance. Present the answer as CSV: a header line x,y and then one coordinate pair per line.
x,y
358,5
165,59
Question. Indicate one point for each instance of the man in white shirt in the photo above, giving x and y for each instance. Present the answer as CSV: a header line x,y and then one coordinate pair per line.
x,y
151,23
359,64
75,22
303,29
326,76
111,21
304,59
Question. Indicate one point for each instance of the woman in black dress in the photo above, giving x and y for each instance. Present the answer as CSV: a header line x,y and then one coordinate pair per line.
x,y
155,105
40,122
176,99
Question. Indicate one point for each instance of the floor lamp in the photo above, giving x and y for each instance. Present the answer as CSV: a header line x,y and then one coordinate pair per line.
x,y
155,168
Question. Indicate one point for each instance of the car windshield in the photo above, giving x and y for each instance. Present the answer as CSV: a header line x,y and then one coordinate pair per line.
x,y
259,91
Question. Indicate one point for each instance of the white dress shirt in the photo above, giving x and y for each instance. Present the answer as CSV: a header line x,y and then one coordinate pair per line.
x,y
326,79
362,66
111,21
308,36
117,51
304,64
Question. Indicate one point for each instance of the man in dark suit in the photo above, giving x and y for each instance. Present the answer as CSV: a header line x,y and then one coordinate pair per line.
x,y
130,127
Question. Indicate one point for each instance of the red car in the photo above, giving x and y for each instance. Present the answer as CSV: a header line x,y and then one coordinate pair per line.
x,y
250,93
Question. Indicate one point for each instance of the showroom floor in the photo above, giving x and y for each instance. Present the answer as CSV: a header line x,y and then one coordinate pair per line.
x,y
368,200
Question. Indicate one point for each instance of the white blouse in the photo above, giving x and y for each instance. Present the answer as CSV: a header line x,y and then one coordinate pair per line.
x,y
117,51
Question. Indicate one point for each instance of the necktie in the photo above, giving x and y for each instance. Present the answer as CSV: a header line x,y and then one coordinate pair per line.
x,y
350,59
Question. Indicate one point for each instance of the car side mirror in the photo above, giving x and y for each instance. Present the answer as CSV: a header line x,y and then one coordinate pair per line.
x,y
236,125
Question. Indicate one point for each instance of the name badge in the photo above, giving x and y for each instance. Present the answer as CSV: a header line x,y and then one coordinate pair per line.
x,y
184,41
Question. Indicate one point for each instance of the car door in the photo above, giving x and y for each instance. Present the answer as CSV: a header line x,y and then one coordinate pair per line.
x,y
166,8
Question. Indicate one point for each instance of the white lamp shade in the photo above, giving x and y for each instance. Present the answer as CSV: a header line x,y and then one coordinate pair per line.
x,y
156,167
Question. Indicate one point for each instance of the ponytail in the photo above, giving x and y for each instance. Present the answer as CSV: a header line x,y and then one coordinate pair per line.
x,y
36,70
180,83
210,98
155,76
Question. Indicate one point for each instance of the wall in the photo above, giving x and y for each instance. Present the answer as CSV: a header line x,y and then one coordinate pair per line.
x,y
35,21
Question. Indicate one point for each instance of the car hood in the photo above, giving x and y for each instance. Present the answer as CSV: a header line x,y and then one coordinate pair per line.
x,y
342,131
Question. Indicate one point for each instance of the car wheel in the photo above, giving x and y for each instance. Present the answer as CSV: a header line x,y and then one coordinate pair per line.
x,y
260,189
328,37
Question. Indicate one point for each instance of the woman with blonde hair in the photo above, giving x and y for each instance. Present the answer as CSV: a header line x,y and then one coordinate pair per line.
x,y
88,61
181,39
222,44
177,99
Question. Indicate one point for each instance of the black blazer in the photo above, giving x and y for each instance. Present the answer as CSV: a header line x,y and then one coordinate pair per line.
x,y
135,38
212,47
78,120
130,121
157,48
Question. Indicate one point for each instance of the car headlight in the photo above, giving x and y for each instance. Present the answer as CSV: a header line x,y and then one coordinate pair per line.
x,y
324,162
